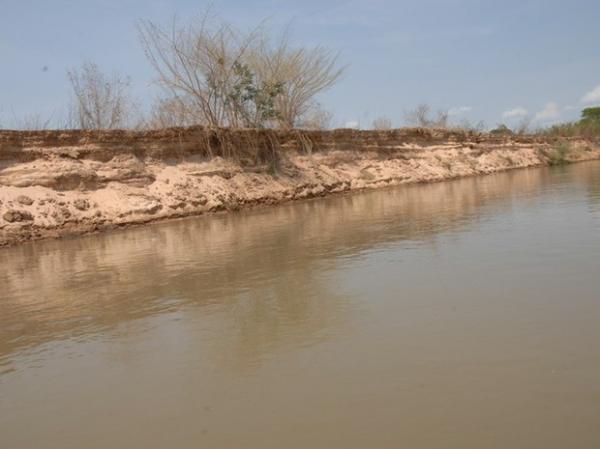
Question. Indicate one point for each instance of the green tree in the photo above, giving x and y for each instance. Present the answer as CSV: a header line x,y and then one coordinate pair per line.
x,y
591,115
253,101
502,129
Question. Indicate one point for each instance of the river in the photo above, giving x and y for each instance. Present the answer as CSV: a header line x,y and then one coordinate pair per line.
x,y
462,314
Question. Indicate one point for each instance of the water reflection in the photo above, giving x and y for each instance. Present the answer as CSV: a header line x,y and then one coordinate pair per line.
x,y
262,266
459,314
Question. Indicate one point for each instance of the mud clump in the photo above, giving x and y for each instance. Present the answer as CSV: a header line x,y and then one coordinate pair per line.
x,y
81,204
24,200
17,216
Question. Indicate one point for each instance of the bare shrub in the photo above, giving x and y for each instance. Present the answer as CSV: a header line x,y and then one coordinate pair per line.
x,y
382,123
441,120
466,125
208,63
316,118
33,122
523,126
302,73
100,101
421,117
197,61
234,78
169,113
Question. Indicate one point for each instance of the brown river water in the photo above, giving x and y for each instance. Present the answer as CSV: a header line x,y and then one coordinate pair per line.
x,y
463,314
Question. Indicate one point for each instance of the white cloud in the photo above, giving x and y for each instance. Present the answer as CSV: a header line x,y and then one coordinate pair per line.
x,y
550,112
353,124
592,96
460,110
515,112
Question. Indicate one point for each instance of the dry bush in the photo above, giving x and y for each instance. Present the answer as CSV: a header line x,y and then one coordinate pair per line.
x,y
317,118
100,101
198,61
170,113
32,122
523,126
302,72
442,120
234,78
466,125
421,117
382,123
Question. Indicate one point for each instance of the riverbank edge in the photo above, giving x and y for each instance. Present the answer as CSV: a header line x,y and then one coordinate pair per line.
x,y
56,184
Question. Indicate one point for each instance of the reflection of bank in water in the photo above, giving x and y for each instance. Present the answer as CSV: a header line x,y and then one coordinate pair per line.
x,y
263,265
427,316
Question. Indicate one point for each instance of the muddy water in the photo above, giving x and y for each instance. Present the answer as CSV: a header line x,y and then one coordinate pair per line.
x,y
461,315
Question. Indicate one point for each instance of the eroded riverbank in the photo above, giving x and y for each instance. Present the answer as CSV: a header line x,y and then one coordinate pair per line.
x,y
58,183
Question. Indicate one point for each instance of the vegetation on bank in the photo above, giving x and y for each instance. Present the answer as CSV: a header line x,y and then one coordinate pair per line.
x,y
588,126
213,74
560,154
209,73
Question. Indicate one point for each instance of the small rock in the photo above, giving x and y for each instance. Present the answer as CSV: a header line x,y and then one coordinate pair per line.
x,y
24,200
15,216
200,201
144,207
81,204
65,212
154,209
178,205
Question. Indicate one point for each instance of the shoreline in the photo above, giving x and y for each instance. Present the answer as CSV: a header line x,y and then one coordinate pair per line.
x,y
56,184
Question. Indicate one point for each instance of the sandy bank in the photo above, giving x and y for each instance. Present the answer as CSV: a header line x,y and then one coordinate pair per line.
x,y
57,183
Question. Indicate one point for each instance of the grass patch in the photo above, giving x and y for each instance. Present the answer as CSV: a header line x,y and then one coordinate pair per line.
x,y
560,154
588,129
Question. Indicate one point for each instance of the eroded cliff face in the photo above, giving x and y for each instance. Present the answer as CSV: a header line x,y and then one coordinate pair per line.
x,y
57,183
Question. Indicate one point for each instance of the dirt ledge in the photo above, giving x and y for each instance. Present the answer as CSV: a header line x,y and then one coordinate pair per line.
x,y
59,183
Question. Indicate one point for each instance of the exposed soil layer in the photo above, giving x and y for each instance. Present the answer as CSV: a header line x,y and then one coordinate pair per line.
x,y
57,183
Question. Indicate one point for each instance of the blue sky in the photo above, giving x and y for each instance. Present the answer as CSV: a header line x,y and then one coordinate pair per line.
x,y
483,60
